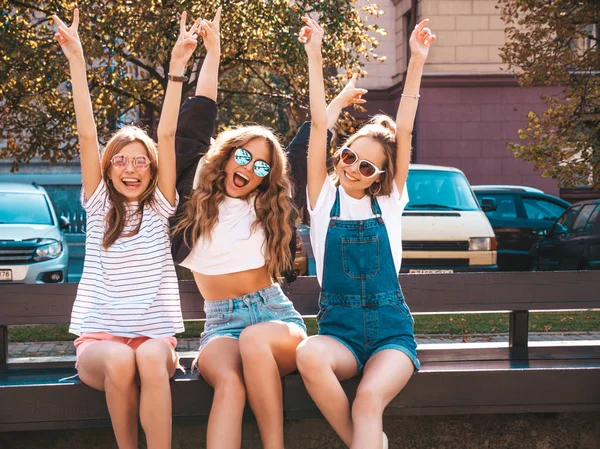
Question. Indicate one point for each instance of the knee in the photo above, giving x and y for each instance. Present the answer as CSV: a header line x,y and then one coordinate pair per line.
x,y
253,344
151,361
368,401
120,367
229,385
311,357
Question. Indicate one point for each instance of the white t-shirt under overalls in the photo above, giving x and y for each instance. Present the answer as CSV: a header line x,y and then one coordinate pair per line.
x,y
391,206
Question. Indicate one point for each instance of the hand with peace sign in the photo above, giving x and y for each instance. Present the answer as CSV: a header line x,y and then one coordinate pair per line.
x,y
311,35
187,41
68,38
210,32
420,40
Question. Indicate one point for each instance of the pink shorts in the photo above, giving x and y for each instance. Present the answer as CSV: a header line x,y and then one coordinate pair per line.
x,y
85,340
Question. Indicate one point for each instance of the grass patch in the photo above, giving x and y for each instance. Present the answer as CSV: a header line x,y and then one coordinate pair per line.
x,y
457,324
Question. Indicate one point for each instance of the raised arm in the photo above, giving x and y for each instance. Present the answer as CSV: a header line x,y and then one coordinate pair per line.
x,y
420,41
198,114
167,127
311,36
89,152
298,148
208,79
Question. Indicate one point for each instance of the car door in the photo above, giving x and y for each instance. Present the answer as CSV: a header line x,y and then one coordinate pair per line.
x,y
572,247
548,248
504,219
540,213
592,242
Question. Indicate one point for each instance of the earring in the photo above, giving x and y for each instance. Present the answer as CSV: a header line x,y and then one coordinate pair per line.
x,y
378,189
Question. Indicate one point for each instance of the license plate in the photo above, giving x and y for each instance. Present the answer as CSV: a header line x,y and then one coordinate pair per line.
x,y
5,275
429,271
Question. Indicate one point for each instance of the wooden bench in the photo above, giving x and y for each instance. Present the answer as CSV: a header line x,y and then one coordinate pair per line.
x,y
516,377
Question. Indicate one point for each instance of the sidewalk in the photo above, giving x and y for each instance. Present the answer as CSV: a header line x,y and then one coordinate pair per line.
x,y
67,350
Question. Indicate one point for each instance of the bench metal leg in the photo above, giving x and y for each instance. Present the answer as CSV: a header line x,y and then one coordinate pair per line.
x,y
3,345
518,334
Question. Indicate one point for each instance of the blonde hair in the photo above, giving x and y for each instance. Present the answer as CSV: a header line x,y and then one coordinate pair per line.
x,y
117,215
381,128
272,200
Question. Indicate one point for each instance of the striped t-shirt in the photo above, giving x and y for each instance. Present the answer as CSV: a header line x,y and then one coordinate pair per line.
x,y
130,289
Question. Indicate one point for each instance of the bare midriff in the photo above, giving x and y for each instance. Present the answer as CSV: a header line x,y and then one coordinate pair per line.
x,y
232,285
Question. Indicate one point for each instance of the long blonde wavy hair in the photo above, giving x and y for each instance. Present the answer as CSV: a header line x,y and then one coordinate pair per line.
x,y
117,215
272,198
381,128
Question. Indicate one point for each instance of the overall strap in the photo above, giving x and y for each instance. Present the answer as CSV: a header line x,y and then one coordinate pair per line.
x,y
335,209
376,209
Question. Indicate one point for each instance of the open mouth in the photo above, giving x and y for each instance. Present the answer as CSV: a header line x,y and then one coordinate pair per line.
x,y
240,180
349,177
131,183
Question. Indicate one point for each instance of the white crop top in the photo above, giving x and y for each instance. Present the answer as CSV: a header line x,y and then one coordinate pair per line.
x,y
234,245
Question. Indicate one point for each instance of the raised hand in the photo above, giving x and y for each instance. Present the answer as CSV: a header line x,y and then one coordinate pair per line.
x,y
210,32
311,35
351,94
420,40
187,41
68,38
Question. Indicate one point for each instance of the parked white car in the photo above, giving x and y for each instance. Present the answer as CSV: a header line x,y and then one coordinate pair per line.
x,y
444,229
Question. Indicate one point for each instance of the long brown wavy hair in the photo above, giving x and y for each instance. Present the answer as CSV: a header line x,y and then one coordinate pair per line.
x,y
272,198
381,128
118,215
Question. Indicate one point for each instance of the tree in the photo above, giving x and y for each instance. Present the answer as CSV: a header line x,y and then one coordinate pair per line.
x,y
556,43
263,76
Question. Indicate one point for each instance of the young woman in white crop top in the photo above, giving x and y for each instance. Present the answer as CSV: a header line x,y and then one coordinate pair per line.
x,y
127,309
237,225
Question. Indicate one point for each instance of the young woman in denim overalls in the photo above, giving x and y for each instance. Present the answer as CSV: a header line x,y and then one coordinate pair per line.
x,y
364,323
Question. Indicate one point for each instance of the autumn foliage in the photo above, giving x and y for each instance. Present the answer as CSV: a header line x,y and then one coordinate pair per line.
x,y
263,75
556,43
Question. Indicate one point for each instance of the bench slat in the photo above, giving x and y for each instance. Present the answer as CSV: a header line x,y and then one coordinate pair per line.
x,y
436,293
481,388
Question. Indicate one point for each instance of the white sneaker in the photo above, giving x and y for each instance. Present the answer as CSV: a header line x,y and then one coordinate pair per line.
x,y
385,441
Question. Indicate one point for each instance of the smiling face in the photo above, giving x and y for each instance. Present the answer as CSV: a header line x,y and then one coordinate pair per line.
x,y
129,181
240,180
353,182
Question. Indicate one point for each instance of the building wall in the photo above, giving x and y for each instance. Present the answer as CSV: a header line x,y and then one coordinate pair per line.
x,y
469,35
469,126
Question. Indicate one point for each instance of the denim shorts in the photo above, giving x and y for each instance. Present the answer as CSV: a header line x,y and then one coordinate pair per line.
x,y
229,317
369,324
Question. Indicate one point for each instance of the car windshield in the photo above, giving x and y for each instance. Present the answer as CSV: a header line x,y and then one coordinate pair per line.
x,y
439,190
24,208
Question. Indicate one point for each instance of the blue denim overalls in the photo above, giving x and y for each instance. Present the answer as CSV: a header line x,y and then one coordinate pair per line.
x,y
361,303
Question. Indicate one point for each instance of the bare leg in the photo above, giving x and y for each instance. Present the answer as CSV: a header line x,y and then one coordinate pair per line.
x,y
268,352
110,367
384,376
156,363
323,362
220,364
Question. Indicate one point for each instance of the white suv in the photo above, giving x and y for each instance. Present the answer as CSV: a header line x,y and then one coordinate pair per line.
x,y
443,226
33,249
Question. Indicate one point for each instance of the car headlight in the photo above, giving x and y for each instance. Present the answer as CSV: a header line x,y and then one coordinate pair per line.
x,y
50,250
482,244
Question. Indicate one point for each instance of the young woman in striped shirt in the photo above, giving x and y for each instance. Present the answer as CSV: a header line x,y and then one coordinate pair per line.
x,y
127,306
